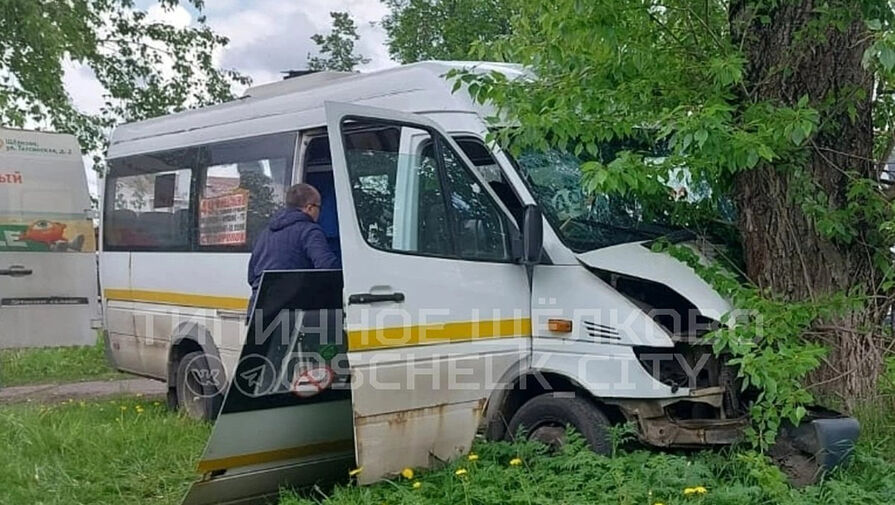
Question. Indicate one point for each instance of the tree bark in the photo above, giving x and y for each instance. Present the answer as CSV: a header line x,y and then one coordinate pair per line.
x,y
789,57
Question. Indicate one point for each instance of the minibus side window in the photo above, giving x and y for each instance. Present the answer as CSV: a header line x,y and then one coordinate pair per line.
x,y
481,232
411,197
242,184
148,202
397,194
489,170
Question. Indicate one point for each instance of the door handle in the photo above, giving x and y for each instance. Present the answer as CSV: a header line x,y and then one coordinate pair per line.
x,y
16,271
360,298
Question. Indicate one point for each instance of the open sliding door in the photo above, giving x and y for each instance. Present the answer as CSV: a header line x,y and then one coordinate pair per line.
x,y
286,419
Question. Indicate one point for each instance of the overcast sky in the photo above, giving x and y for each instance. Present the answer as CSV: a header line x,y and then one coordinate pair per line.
x,y
266,37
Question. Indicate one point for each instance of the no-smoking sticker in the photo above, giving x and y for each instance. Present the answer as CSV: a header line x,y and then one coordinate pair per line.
x,y
312,381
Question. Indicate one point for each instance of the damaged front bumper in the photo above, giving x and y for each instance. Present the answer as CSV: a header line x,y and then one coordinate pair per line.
x,y
823,440
655,427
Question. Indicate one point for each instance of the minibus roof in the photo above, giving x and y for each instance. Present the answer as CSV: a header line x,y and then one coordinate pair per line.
x,y
297,103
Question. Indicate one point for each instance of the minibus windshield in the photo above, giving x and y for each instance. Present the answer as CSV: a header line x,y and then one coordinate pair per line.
x,y
584,221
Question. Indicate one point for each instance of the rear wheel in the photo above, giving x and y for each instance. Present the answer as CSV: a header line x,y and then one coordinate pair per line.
x,y
197,389
545,418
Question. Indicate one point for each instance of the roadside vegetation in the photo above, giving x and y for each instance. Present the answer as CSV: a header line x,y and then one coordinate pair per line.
x,y
524,474
133,450
128,450
51,365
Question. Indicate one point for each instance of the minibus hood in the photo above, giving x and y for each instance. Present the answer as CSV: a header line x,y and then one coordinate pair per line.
x,y
637,260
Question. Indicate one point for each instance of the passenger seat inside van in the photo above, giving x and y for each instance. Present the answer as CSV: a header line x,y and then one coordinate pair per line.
x,y
329,216
318,172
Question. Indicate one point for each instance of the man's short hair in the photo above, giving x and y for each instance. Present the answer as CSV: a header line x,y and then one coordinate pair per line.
x,y
301,195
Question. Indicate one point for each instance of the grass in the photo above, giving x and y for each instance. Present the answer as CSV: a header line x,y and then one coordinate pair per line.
x,y
110,451
577,475
54,364
105,452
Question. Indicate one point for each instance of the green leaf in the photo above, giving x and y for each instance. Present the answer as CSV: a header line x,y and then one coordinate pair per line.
x,y
887,57
752,158
797,135
765,152
700,136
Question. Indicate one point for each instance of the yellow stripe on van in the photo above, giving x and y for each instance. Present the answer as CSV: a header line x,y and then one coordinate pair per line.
x,y
358,340
182,299
402,336
260,458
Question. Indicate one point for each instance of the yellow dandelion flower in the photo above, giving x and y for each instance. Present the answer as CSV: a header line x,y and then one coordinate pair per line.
x,y
155,404
407,473
355,472
472,456
516,462
417,485
82,404
697,490
460,472
658,503
139,410
123,408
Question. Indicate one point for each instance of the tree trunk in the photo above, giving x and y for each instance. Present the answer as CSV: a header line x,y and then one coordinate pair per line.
x,y
785,253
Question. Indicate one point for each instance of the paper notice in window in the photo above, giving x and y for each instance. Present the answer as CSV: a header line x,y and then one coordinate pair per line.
x,y
222,219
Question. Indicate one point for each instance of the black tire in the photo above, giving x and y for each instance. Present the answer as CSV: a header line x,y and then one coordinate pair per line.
x,y
545,418
197,398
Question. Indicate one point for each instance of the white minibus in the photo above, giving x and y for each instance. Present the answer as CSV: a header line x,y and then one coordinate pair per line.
x,y
48,282
478,293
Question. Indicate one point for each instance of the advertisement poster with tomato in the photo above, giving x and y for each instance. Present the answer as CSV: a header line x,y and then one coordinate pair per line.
x,y
46,234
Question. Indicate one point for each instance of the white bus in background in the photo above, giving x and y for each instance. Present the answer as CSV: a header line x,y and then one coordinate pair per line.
x,y
48,282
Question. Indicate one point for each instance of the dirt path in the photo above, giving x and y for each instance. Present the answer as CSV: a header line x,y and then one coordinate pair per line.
x,y
49,393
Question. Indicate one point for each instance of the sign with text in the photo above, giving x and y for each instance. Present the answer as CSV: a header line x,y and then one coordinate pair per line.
x,y
222,219
51,300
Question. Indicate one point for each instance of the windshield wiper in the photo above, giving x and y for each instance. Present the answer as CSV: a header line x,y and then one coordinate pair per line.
x,y
674,237
600,225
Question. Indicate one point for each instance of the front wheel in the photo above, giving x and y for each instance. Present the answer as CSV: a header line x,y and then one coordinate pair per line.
x,y
545,418
197,388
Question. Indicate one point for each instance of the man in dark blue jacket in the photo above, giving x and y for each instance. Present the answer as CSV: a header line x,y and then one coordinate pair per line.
x,y
293,240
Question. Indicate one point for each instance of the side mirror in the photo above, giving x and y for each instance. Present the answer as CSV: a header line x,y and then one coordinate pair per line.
x,y
532,235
